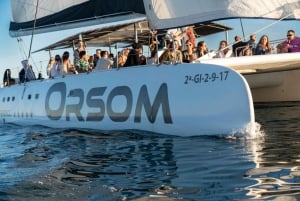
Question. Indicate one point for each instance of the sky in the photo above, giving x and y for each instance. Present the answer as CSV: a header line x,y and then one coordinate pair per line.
x,y
11,53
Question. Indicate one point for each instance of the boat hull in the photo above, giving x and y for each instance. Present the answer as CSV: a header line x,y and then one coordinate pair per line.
x,y
272,78
282,86
182,99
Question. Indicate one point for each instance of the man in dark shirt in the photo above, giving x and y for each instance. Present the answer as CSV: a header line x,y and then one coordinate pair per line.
x,y
238,45
133,58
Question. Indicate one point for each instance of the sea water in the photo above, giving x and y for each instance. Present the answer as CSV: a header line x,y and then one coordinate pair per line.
x,y
38,163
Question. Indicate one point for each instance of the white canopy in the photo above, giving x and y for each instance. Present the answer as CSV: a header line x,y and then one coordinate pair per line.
x,y
164,14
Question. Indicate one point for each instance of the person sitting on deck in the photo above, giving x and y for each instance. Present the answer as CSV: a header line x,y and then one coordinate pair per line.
x,y
263,46
247,51
252,40
104,62
7,80
223,51
189,54
238,46
292,44
26,74
201,49
172,55
251,43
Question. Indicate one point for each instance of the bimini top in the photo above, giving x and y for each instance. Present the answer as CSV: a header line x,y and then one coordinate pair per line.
x,y
124,34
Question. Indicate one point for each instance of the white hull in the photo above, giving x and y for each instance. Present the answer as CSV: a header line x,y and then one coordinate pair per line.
x,y
182,99
272,78
283,86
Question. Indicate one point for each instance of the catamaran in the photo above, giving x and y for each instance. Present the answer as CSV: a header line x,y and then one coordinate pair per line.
x,y
177,99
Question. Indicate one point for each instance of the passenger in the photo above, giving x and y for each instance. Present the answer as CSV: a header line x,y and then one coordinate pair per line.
x,y
161,42
97,56
263,46
190,54
91,61
133,58
238,46
83,64
104,62
252,40
251,43
57,68
223,51
143,60
153,58
26,74
49,66
247,51
7,80
201,49
172,55
175,35
153,42
111,56
122,57
292,44
68,68
80,47
191,36
40,76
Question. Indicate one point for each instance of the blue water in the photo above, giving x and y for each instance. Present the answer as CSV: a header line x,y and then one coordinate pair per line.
x,y
38,163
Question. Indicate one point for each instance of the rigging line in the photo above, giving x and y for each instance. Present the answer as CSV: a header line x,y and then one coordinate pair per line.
x,y
259,30
263,28
33,29
21,46
242,26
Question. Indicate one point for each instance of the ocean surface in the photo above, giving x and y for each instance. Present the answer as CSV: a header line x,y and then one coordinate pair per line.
x,y
38,163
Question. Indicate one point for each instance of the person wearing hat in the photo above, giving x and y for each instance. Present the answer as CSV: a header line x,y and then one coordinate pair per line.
x,y
134,56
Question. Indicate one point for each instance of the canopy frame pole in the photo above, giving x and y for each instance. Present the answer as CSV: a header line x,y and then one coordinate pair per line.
x,y
117,57
135,33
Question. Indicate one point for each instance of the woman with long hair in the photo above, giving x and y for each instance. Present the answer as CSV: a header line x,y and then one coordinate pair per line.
x,y
263,46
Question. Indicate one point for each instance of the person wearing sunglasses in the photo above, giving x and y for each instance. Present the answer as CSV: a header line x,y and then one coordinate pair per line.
x,y
291,44
190,53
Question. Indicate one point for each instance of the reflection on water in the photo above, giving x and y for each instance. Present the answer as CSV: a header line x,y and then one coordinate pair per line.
x,y
85,165
277,156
